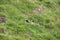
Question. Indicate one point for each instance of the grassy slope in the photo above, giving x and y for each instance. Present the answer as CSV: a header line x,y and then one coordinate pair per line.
x,y
46,24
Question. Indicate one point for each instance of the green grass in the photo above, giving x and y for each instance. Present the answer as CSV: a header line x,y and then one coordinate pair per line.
x,y
41,25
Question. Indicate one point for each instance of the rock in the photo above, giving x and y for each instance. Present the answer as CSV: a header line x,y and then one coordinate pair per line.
x,y
38,9
2,19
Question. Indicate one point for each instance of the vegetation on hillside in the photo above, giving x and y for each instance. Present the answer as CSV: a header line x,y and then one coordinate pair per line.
x,y
29,19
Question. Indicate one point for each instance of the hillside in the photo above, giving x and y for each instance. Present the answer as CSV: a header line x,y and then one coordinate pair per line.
x,y
29,19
